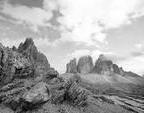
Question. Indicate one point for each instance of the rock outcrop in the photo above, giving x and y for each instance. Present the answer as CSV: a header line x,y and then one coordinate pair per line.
x,y
38,60
37,94
85,65
71,66
13,65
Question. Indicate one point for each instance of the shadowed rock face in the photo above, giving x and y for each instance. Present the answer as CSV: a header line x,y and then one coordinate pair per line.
x,y
106,66
103,65
13,65
39,60
85,64
71,66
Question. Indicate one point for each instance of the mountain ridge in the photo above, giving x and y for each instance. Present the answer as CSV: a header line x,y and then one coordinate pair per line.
x,y
103,65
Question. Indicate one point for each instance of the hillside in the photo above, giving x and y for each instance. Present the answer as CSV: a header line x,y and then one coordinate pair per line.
x,y
28,84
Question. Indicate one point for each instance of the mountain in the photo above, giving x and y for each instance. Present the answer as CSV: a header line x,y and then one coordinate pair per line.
x,y
102,66
105,77
28,84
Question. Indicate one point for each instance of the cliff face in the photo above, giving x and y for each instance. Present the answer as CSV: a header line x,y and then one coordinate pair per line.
x,y
85,65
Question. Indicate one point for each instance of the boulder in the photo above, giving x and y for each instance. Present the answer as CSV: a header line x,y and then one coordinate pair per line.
x,y
71,67
37,94
85,65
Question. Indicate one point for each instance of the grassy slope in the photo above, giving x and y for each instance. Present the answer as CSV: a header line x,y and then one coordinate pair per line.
x,y
114,93
112,84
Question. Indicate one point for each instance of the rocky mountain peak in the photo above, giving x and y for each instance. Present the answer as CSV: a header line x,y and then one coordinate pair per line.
x,y
38,59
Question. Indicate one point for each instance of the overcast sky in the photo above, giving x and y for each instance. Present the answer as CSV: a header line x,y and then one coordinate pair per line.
x,y
63,29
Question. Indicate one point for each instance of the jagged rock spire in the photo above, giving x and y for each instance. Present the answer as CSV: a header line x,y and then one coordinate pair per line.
x,y
38,59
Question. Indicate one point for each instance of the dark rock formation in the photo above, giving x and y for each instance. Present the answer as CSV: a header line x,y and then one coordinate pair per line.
x,y
71,66
13,65
85,64
38,60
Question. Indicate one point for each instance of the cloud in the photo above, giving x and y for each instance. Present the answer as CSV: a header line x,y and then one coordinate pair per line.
x,y
81,21
139,46
31,16
93,53
85,21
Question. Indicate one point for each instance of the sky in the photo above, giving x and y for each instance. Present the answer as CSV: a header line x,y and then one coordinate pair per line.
x,y
64,29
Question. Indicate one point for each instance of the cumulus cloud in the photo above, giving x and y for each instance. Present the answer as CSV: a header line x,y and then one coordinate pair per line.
x,y
81,21
86,20
31,16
